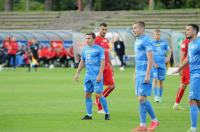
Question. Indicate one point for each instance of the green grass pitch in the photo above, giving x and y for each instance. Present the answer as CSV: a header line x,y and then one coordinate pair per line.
x,y
51,101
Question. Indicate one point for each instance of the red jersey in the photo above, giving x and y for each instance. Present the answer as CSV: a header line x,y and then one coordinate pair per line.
x,y
104,43
184,48
13,48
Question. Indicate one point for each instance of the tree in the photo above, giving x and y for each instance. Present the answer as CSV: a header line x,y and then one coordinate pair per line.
x,y
151,4
80,5
89,5
8,5
27,5
48,5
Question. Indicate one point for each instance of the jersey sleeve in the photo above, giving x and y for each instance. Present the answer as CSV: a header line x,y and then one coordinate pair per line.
x,y
102,54
82,56
147,45
198,45
184,46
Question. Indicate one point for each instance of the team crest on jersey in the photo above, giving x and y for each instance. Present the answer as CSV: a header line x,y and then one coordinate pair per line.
x,y
182,45
157,44
88,56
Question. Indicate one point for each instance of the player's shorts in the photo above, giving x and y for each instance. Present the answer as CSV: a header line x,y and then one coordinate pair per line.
x,y
108,77
91,86
185,78
143,89
159,73
194,89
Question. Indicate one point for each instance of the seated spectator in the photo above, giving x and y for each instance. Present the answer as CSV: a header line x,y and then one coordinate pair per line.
x,y
70,56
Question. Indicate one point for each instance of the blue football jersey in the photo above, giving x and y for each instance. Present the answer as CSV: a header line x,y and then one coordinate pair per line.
x,y
194,57
160,50
92,56
142,46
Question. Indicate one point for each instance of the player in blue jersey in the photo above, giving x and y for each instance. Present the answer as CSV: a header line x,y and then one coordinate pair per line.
x,y
93,59
143,76
193,59
161,55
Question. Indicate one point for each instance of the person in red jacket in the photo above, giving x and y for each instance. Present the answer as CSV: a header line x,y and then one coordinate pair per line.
x,y
70,56
12,50
52,57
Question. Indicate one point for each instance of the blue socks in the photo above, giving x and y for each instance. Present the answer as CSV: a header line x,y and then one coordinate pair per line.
x,y
142,113
158,92
88,102
145,106
104,104
194,115
149,109
155,92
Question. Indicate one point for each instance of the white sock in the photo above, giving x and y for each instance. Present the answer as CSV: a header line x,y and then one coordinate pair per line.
x,y
143,124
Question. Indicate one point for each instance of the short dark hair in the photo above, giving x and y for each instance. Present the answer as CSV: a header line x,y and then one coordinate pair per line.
x,y
103,24
141,23
92,34
195,27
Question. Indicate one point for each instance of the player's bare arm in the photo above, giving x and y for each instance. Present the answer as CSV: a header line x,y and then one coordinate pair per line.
x,y
80,67
169,53
182,54
149,66
184,63
101,70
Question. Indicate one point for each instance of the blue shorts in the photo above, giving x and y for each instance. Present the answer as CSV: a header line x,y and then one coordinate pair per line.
x,y
91,86
194,89
143,89
159,73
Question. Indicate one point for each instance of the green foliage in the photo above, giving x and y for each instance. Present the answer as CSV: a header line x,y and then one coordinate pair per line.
x,y
193,3
1,5
59,5
120,5
36,5
125,5
98,5
176,4
65,5
19,5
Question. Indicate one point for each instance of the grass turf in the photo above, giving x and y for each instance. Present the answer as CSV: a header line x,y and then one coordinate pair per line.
x,y
51,101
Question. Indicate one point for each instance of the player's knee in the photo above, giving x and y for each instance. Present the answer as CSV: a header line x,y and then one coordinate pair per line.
x,y
112,87
98,95
88,95
141,99
193,102
184,86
